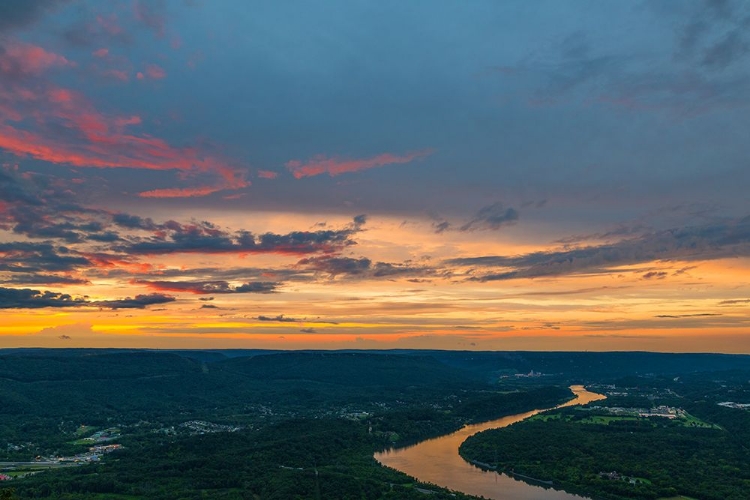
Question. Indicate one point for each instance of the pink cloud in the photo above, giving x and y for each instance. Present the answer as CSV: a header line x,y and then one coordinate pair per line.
x,y
22,59
336,166
139,75
155,72
60,95
101,53
104,140
116,74
267,174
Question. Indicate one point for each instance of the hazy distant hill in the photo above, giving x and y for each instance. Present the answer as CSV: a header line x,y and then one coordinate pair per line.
x,y
349,369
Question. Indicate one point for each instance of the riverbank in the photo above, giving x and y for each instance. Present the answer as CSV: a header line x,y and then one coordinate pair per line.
x,y
437,461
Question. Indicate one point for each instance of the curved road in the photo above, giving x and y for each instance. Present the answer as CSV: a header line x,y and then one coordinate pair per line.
x,y
437,461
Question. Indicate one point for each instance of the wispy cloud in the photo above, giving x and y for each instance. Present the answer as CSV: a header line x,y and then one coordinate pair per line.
x,y
336,166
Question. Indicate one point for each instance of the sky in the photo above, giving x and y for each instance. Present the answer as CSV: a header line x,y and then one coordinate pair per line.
x,y
375,174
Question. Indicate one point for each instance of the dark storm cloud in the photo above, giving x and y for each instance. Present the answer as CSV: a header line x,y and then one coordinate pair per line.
x,y
20,13
210,287
713,241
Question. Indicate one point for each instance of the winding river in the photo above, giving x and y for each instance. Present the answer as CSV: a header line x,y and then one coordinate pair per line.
x,y
437,461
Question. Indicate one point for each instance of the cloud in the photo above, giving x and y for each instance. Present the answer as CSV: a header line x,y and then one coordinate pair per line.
x,y
577,70
21,60
492,217
138,302
155,72
280,318
151,14
24,298
16,14
337,166
308,330
734,301
363,267
46,122
204,237
31,257
97,30
337,265
267,174
655,275
134,222
677,316
716,36
45,279
727,238
190,192
210,287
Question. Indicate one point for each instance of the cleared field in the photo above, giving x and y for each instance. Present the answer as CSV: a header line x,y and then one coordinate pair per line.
x,y
686,421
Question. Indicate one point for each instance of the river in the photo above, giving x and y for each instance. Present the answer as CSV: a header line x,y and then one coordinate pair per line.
x,y
437,461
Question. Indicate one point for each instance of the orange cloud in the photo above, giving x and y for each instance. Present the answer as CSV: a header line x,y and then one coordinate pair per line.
x,y
337,166
191,192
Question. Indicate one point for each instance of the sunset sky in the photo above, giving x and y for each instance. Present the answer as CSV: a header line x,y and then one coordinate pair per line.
x,y
484,175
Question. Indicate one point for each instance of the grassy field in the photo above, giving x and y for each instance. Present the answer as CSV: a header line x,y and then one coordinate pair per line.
x,y
686,421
